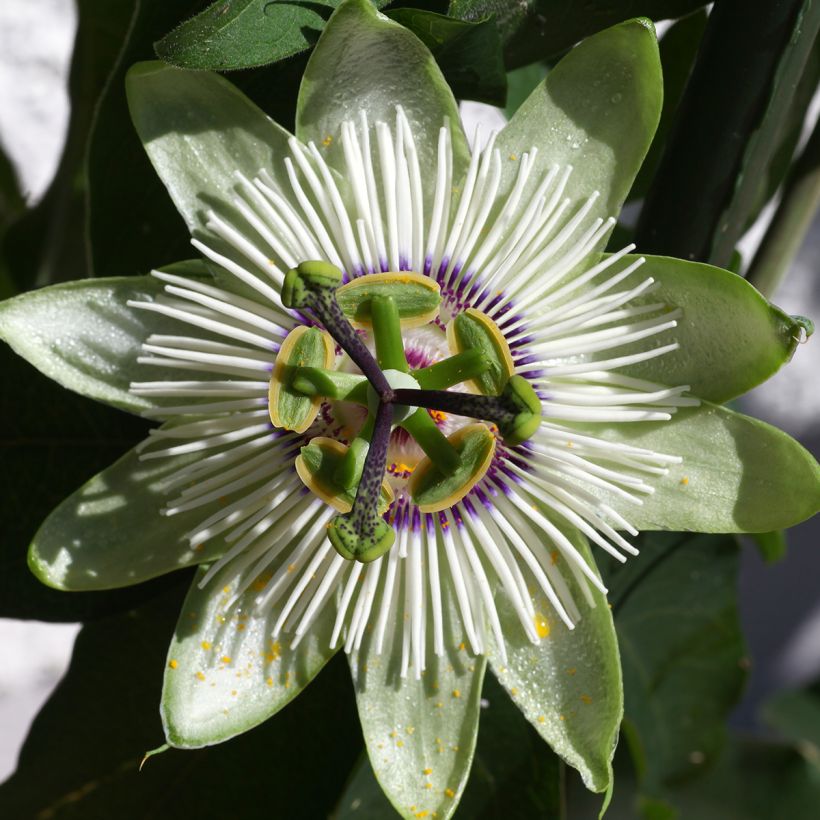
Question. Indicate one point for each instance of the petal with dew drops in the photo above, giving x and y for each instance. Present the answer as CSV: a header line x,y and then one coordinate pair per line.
x,y
420,732
569,685
85,337
738,474
730,337
199,131
226,672
110,533
366,62
597,111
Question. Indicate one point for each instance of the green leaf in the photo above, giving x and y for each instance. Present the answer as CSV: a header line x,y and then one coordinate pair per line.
x,y
199,130
535,29
246,33
85,336
112,533
52,441
678,50
569,685
365,62
731,339
683,653
601,122
514,774
226,673
46,244
738,474
118,662
420,730
468,54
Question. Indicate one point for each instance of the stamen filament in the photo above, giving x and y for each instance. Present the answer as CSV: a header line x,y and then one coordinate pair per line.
x,y
456,369
387,334
434,443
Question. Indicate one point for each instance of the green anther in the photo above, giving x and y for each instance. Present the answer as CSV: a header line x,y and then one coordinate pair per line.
x,y
522,399
417,297
332,384
453,370
316,466
474,330
350,468
434,491
434,443
306,279
384,315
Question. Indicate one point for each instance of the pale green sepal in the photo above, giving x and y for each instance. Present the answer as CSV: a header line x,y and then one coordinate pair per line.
x,y
111,532
366,62
569,685
420,731
738,474
597,111
730,337
225,672
85,337
199,130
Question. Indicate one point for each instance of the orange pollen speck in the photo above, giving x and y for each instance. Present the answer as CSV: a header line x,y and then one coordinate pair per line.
x,y
586,698
449,793
173,663
200,676
456,693
205,645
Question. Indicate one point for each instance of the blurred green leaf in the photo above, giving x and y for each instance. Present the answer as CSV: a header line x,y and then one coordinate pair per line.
x,y
751,180
52,442
521,82
293,766
533,30
732,119
514,774
754,780
682,649
796,716
233,34
11,198
772,545
468,54
678,49
132,223
47,243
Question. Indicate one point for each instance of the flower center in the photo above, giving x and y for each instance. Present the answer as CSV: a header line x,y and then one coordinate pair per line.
x,y
352,478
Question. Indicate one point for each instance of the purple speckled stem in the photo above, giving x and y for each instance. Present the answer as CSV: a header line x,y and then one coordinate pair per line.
x,y
488,408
